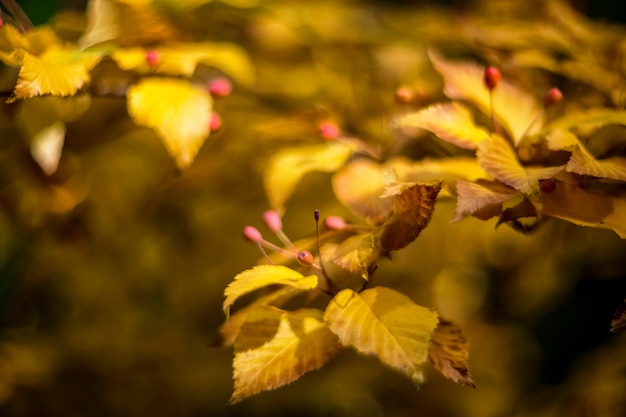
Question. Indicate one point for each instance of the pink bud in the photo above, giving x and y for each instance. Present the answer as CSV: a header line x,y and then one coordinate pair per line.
x,y
552,97
272,220
329,130
252,234
492,77
216,122
220,87
404,95
335,223
153,57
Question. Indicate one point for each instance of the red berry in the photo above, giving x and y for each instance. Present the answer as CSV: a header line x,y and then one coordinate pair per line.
x,y
305,258
1,22
552,97
404,95
492,77
216,122
272,220
220,87
547,186
252,234
329,130
335,223
153,57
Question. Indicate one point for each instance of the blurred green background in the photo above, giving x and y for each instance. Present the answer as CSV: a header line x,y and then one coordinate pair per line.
x,y
112,270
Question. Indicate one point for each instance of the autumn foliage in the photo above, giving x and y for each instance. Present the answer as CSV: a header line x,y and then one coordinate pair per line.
x,y
433,184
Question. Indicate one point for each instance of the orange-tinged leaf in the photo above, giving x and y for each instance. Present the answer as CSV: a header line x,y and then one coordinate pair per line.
x,y
570,202
383,322
451,122
262,276
498,159
178,111
512,107
60,72
297,342
449,354
353,254
358,187
582,161
473,196
413,207
287,167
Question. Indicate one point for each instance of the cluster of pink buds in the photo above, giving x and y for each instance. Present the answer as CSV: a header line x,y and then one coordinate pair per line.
x,y
274,223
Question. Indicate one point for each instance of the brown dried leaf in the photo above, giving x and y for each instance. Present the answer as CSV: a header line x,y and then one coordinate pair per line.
x,y
448,353
618,324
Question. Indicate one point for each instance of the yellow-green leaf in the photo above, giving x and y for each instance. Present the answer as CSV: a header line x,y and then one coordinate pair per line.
x,y
512,107
293,343
358,187
413,207
262,276
287,167
60,72
451,122
498,159
383,322
177,110
474,196
582,161
353,254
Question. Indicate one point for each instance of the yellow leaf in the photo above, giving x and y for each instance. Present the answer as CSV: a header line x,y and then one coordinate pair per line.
x,y
383,322
451,122
413,207
592,118
582,161
179,112
14,45
512,107
262,276
287,167
183,58
181,5
46,147
474,196
60,72
570,202
295,342
358,187
353,254
448,353
498,159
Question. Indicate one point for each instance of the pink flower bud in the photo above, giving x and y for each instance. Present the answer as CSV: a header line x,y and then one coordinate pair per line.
x,y
252,234
404,95
552,97
272,220
216,122
335,223
329,130
492,77
220,87
153,57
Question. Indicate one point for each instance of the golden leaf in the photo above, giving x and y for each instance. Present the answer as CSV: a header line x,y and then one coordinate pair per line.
x,y
413,207
287,167
295,342
498,159
475,196
448,353
60,72
264,275
451,122
383,322
358,187
179,112
14,45
512,107
353,254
